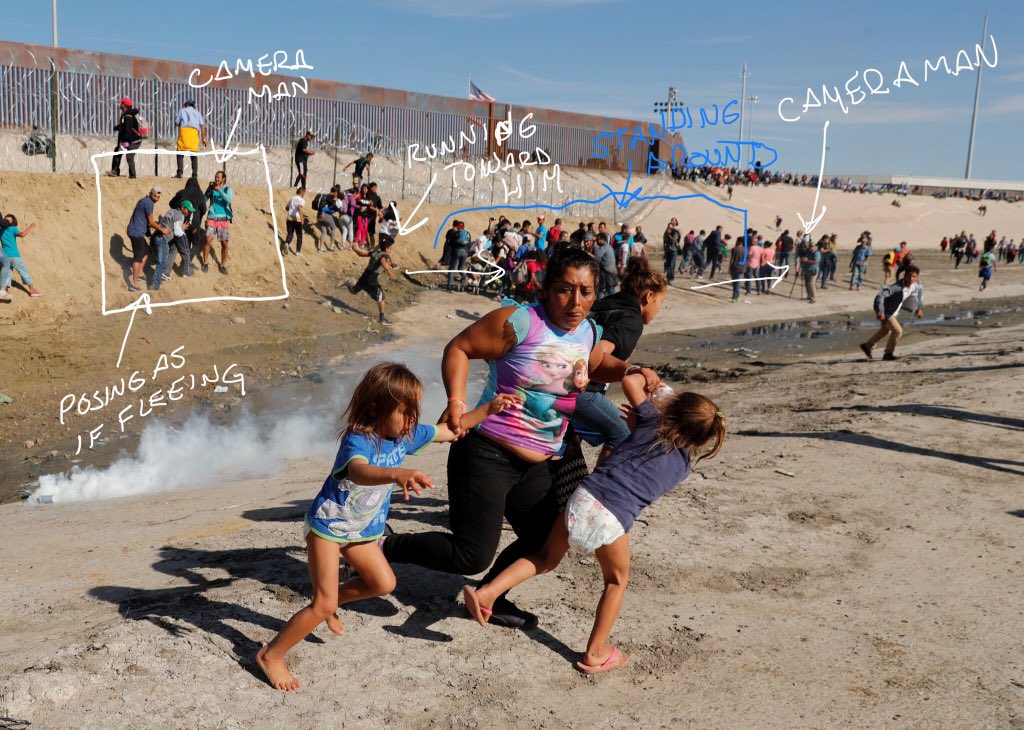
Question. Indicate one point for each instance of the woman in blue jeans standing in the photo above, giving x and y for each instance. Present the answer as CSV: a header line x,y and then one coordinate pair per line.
x,y
622,317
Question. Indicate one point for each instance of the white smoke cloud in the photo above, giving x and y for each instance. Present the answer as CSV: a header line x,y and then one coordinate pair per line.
x,y
199,453
203,454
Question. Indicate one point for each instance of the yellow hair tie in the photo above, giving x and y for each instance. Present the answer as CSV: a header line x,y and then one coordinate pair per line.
x,y
720,415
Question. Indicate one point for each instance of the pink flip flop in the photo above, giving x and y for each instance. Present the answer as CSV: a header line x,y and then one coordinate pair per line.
x,y
480,613
616,660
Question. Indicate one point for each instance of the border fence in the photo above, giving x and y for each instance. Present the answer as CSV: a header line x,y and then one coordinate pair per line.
x,y
58,107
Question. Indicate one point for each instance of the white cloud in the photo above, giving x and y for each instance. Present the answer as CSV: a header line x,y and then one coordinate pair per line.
x,y
1006,105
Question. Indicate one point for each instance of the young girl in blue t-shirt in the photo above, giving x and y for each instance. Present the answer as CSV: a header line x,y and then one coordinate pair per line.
x,y
347,517
652,460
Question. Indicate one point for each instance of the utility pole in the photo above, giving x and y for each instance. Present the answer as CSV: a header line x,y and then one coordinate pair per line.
x,y
974,116
666,107
750,124
743,97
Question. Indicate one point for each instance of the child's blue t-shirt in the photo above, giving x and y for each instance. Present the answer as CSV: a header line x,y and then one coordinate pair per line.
x,y
344,511
639,470
9,240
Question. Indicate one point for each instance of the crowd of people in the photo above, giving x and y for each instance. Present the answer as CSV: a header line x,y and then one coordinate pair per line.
x,y
728,177
994,251
520,250
157,241
752,261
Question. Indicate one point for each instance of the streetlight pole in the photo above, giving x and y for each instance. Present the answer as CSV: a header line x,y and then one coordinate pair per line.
x,y
667,106
974,116
750,122
743,97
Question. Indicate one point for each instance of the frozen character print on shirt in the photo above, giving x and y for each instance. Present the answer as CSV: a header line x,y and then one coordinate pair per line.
x,y
550,392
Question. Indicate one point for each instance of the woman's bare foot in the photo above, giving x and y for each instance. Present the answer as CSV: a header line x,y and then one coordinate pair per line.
x,y
276,671
475,605
335,625
593,663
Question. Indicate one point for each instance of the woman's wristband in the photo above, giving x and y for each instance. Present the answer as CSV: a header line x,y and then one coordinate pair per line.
x,y
632,370
459,401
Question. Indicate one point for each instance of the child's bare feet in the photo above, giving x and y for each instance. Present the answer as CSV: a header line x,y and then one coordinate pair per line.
x,y
335,625
276,671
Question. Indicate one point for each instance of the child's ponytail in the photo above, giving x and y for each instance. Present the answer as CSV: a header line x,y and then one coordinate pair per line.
x,y
690,421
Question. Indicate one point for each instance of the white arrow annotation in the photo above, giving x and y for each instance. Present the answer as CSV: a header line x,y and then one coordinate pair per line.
x,y
141,303
226,154
784,269
402,230
816,219
493,274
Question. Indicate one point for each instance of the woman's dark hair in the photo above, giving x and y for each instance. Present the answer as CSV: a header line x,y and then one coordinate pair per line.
x,y
569,258
640,278
12,219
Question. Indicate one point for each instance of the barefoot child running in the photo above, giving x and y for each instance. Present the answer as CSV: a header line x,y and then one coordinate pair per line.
x,y
347,517
9,241
655,457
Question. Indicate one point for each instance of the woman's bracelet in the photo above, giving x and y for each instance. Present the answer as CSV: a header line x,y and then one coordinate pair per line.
x,y
459,401
632,370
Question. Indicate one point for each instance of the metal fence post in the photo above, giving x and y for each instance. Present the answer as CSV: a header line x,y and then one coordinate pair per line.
x,y
430,192
403,181
155,120
53,114
337,144
224,133
291,141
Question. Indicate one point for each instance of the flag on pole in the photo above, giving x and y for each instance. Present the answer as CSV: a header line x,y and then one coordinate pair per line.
x,y
478,94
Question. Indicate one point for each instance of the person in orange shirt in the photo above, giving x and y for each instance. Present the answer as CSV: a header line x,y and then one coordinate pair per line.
x,y
767,267
753,269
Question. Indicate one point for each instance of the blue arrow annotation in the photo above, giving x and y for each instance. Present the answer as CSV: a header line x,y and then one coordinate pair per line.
x,y
622,197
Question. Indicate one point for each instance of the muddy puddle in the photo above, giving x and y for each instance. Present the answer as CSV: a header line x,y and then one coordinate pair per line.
x,y
319,391
722,352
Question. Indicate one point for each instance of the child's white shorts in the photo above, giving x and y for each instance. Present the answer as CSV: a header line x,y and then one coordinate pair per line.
x,y
590,523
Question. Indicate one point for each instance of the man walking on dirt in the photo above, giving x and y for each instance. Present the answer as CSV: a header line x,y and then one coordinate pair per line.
x,y
888,304
302,155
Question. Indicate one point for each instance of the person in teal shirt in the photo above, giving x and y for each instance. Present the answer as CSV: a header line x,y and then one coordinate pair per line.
x,y
219,199
12,260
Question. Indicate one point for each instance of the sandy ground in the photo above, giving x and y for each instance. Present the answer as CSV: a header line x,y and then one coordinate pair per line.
x,y
851,558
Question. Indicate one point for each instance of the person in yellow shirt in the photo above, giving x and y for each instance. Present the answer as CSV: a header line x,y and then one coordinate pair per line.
x,y
191,134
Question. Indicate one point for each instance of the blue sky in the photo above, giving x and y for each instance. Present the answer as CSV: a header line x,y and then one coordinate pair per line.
x,y
619,57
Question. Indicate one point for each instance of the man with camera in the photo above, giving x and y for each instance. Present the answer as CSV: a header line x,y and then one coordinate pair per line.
x,y
219,198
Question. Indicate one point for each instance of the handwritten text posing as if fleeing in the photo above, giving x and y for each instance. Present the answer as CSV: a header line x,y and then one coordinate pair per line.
x,y
82,404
